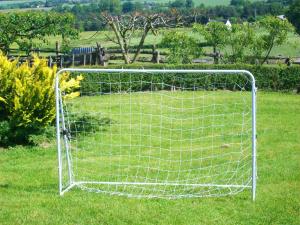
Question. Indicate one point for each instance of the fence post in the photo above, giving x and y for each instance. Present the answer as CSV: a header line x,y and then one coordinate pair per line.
x,y
155,55
57,53
100,54
73,59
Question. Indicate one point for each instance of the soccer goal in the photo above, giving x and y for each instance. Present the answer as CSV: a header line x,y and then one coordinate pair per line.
x,y
158,133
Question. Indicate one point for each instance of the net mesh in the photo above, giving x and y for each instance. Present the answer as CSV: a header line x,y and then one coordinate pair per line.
x,y
158,134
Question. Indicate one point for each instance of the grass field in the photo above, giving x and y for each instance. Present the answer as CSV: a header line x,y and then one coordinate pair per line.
x,y
87,39
163,137
29,195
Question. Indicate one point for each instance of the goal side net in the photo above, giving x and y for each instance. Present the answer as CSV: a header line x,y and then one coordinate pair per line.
x,y
158,133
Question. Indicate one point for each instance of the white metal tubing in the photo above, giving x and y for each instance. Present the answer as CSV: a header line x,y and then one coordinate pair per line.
x,y
164,184
254,166
65,139
58,135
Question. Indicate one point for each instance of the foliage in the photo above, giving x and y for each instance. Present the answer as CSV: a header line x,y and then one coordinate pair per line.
x,y
88,15
21,28
130,6
293,14
239,40
88,123
182,47
27,97
215,34
274,33
268,78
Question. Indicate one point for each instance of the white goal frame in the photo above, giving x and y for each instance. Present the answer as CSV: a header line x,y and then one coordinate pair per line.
x,y
61,136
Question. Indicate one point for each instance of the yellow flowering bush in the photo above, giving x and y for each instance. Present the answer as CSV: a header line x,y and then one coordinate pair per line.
x,y
27,97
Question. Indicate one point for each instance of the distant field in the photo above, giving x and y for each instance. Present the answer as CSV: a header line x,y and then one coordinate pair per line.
x,y
87,39
197,2
18,1
207,2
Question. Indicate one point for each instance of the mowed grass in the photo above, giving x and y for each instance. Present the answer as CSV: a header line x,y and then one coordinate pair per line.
x,y
28,184
163,137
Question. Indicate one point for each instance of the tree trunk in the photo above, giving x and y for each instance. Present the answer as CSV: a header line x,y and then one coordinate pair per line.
x,y
216,57
267,56
269,51
141,44
124,51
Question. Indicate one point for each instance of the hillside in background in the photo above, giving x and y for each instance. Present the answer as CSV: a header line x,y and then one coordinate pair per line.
x,y
197,2
207,2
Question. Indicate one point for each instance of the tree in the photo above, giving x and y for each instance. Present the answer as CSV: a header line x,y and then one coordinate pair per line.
x,y
23,28
178,4
274,33
127,7
239,41
293,14
125,26
215,34
238,2
111,6
182,47
189,4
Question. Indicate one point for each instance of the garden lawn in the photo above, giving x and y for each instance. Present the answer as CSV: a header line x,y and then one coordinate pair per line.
x,y
29,184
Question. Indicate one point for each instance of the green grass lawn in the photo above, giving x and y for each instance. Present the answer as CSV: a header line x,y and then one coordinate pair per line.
x,y
29,184
162,137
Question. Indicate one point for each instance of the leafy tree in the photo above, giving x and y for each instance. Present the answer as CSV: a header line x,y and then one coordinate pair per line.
x,y
239,41
23,28
189,4
127,7
182,47
238,2
293,14
130,6
223,11
215,34
111,6
178,4
274,32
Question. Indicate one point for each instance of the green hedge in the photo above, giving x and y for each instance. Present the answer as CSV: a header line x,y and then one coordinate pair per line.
x,y
271,78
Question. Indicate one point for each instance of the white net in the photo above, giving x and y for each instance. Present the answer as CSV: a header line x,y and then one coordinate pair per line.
x,y
158,134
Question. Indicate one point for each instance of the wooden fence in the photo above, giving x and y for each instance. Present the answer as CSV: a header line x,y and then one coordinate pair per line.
x,y
98,55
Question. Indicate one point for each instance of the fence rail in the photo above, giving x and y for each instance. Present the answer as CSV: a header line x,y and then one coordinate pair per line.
x,y
98,55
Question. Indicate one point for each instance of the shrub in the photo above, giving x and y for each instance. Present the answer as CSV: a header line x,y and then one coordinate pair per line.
x,y
88,123
268,78
27,98
182,47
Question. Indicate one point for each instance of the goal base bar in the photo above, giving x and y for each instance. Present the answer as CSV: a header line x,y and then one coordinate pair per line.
x,y
153,184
